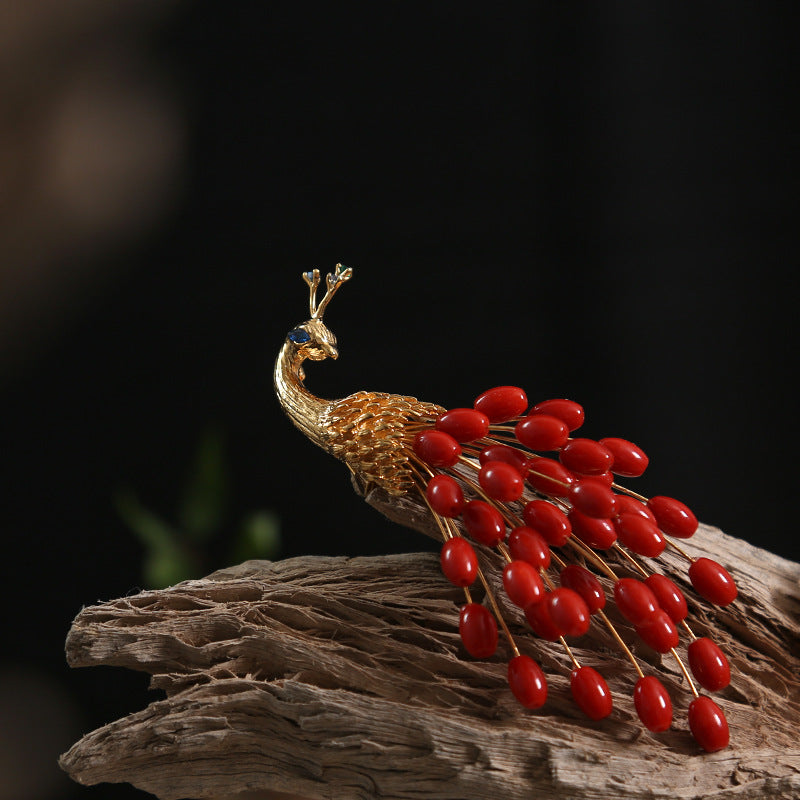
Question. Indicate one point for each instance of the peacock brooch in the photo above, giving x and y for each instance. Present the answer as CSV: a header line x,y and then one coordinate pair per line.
x,y
513,477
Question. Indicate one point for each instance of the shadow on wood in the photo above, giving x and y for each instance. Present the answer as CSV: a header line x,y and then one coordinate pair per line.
x,y
333,677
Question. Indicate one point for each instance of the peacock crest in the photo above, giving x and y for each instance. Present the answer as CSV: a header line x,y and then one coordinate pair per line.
x,y
571,537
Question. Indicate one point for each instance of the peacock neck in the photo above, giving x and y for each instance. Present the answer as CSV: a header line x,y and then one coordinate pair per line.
x,y
304,409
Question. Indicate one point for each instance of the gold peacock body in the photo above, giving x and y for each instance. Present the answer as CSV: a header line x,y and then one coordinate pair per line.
x,y
372,432
568,533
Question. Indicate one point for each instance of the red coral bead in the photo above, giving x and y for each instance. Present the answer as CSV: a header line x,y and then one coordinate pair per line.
x,y
527,544
509,455
604,478
652,704
538,616
597,533
640,535
673,517
569,612
712,581
484,522
522,583
708,724
501,481
592,498
630,505
591,692
586,456
629,460
527,681
567,410
708,664
437,448
669,596
445,496
542,432
478,630
463,424
502,403
550,521
459,562
580,580
659,632
635,601
550,477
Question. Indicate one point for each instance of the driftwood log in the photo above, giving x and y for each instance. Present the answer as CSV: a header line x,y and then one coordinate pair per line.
x,y
345,678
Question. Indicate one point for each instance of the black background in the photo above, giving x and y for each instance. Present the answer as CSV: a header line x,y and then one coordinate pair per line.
x,y
599,205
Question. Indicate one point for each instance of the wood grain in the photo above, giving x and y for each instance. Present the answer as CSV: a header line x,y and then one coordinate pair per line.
x,y
322,677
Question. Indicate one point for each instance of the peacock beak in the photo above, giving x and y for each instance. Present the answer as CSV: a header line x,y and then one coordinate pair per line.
x,y
330,351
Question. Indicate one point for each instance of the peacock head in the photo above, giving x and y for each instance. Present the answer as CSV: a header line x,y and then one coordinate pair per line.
x,y
313,340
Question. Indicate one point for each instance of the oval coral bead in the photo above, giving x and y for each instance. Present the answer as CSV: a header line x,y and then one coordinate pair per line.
x,y
591,692
708,724
542,432
712,581
527,681
445,496
509,455
548,520
463,424
669,596
437,448
580,580
635,601
673,517
501,481
592,498
659,632
538,616
604,478
527,544
653,704
569,612
630,505
629,460
586,456
478,630
708,664
550,477
567,410
640,535
522,583
484,522
502,403
597,533
459,562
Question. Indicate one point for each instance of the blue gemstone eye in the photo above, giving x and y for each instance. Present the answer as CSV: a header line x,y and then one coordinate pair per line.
x,y
299,336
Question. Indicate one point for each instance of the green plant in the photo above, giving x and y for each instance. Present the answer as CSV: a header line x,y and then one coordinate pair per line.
x,y
176,552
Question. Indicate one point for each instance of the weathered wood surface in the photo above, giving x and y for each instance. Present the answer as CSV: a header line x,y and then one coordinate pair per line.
x,y
345,678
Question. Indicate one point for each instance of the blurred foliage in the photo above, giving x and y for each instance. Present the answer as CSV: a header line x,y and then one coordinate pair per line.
x,y
177,552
